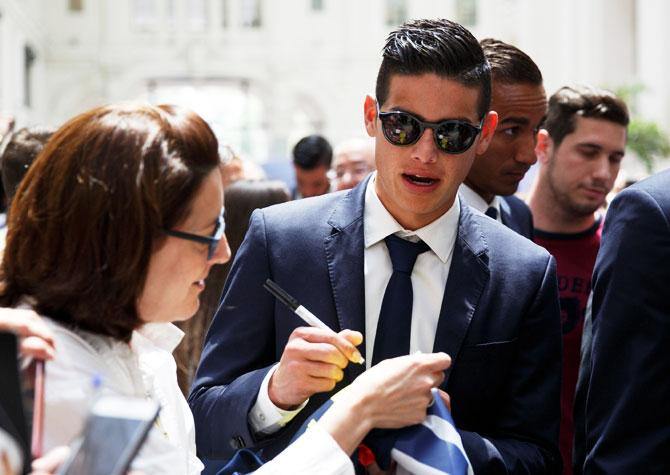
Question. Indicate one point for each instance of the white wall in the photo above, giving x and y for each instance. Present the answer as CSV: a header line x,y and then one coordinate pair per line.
x,y
309,70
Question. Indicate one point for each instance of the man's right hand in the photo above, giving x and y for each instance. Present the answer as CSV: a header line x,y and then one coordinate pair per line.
x,y
312,362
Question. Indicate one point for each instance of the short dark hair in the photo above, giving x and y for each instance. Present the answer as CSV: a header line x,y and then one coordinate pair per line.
x,y
509,64
21,148
312,151
440,47
91,210
583,101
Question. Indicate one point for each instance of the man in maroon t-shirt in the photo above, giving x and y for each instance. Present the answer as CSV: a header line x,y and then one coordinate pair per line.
x,y
579,150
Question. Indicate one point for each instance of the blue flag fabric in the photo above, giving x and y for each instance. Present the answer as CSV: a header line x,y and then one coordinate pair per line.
x,y
433,447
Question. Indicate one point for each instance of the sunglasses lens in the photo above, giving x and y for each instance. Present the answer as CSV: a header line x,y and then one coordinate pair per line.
x,y
455,137
400,128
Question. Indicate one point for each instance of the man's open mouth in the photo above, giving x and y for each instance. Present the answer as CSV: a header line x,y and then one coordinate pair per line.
x,y
419,180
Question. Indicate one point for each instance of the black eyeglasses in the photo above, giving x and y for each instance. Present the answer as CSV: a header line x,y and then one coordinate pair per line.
x,y
451,136
213,240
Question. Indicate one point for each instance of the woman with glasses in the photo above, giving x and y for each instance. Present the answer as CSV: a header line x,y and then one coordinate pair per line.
x,y
112,234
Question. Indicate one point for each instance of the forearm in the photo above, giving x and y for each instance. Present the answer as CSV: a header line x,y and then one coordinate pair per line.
x,y
347,421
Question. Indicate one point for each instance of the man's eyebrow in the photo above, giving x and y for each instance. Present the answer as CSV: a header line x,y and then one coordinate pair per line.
x,y
515,120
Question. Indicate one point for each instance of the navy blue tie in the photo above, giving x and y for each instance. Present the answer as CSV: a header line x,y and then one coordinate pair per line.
x,y
492,212
395,317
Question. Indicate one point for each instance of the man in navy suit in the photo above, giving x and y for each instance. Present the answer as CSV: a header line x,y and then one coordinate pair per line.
x,y
517,95
627,415
481,293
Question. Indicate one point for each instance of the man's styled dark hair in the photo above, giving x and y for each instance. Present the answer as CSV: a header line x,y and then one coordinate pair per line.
x,y
583,101
312,151
21,148
92,209
440,47
510,65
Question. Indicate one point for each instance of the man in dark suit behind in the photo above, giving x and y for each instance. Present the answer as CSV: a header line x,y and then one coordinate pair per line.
x,y
627,424
481,293
517,95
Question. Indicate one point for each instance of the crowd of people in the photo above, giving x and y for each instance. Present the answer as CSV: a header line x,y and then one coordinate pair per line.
x,y
411,247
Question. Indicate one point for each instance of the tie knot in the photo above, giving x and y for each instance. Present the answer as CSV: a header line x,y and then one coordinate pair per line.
x,y
404,253
492,212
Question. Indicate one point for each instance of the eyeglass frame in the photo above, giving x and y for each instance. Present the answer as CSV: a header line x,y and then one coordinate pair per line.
x,y
213,240
423,125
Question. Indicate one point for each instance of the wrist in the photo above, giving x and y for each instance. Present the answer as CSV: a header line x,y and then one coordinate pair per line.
x,y
277,400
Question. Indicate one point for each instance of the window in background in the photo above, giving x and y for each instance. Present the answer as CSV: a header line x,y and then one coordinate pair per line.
x,y
240,124
29,57
171,14
145,14
225,14
75,5
466,12
396,12
197,15
251,13
317,5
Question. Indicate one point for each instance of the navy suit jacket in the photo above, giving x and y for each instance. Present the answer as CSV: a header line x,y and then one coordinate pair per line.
x,y
516,215
499,321
627,427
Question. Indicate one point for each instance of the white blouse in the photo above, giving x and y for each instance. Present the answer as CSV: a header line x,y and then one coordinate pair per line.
x,y
146,368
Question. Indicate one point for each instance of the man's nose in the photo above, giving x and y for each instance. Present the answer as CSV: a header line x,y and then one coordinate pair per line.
x,y
425,148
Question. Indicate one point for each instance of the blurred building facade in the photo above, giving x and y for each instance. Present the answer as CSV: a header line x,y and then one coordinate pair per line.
x,y
266,72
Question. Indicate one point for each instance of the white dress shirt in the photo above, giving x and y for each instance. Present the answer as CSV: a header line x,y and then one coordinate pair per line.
x,y
146,368
472,199
429,278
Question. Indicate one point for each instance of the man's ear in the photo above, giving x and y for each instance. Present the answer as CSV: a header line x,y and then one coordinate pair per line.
x,y
544,146
488,129
370,116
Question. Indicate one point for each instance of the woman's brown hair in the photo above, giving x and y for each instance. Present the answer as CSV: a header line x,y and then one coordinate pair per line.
x,y
91,210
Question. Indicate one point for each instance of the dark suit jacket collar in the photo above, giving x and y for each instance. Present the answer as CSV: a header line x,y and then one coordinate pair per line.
x,y
344,248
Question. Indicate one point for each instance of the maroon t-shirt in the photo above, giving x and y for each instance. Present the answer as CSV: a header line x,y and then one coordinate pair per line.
x,y
575,257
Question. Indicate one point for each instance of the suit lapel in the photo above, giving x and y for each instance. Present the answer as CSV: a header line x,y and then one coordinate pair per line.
x,y
344,248
468,276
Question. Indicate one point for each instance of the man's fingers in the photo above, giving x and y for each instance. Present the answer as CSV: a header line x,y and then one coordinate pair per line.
x,y
301,350
319,335
356,338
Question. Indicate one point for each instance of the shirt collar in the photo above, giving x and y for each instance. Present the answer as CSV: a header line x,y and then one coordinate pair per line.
x,y
472,199
165,336
440,235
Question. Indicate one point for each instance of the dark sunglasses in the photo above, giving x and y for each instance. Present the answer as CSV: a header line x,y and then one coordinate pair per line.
x,y
213,240
451,136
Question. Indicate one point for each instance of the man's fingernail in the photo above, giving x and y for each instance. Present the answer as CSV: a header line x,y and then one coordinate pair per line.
x,y
356,357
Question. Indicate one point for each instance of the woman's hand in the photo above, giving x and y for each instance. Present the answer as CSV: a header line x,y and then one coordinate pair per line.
x,y
35,337
393,394
397,391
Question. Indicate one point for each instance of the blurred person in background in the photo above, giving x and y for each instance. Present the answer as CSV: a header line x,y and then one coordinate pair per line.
x,y
579,149
112,235
518,96
235,168
16,154
312,156
353,160
242,198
